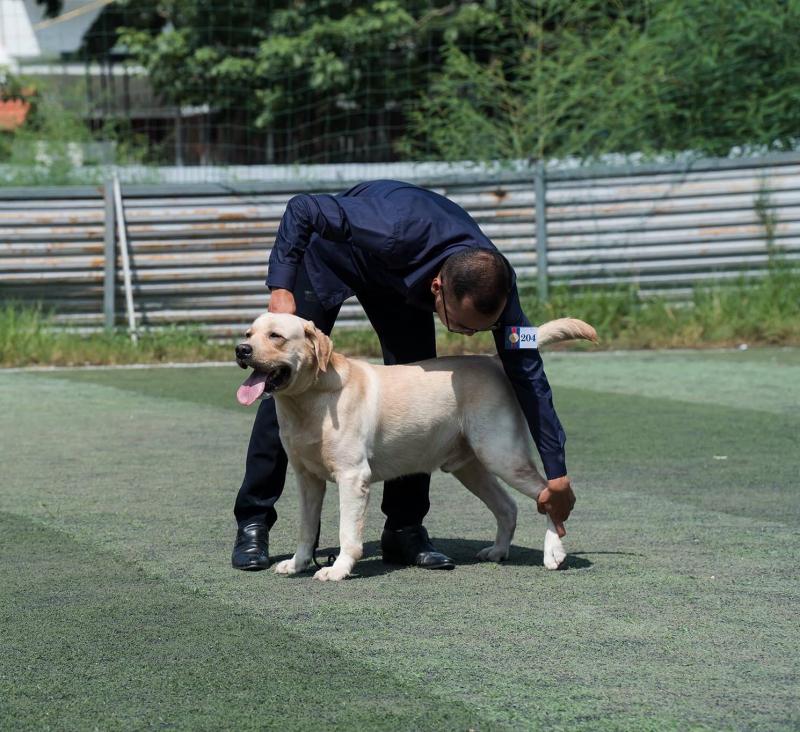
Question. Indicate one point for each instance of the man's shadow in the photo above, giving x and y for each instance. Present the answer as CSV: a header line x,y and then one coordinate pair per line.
x,y
461,551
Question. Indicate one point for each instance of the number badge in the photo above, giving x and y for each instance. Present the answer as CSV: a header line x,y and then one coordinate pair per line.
x,y
521,337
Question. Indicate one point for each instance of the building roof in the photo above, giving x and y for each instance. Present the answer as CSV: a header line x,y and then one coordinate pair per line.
x,y
63,34
17,37
25,34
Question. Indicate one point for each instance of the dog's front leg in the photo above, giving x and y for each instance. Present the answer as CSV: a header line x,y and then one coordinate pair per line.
x,y
353,499
312,491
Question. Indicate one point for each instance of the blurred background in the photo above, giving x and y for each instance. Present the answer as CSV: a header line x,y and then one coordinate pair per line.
x,y
626,155
200,84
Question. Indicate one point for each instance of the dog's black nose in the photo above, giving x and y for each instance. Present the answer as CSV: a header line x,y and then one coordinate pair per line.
x,y
243,350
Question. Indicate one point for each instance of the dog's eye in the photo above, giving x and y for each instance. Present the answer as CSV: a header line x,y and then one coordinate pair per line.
x,y
276,336
248,333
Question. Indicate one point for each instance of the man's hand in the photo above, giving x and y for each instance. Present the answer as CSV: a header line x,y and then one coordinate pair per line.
x,y
557,500
282,301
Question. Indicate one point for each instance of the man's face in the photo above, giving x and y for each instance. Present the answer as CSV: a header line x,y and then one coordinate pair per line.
x,y
461,317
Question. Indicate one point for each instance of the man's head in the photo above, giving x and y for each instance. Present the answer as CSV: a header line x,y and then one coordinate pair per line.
x,y
471,290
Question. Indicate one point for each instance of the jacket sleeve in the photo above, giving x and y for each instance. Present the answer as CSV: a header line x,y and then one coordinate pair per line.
x,y
368,222
525,370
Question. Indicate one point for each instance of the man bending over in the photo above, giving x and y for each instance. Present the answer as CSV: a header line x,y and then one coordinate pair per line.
x,y
405,253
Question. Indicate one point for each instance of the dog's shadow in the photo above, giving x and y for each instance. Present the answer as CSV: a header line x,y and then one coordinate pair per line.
x,y
462,551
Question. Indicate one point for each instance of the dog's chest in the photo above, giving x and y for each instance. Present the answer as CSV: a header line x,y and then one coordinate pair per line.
x,y
308,451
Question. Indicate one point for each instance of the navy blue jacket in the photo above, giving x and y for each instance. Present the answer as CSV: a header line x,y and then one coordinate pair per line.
x,y
388,235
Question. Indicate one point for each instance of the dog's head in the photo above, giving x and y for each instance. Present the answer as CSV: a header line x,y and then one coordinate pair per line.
x,y
286,354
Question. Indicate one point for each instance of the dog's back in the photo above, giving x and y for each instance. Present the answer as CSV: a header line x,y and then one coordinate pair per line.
x,y
427,414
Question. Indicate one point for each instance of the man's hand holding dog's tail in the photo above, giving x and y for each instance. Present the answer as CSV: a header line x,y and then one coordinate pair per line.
x,y
557,500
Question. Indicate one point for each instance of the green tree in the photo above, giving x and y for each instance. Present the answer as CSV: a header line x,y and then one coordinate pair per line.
x,y
583,79
729,74
328,79
347,80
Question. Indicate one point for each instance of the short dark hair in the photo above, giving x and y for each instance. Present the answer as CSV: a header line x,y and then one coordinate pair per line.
x,y
482,274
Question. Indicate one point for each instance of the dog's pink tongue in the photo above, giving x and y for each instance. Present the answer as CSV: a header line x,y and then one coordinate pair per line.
x,y
252,388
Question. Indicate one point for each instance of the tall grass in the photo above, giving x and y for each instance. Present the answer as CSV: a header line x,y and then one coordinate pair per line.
x,y
763,312
757,312
28,338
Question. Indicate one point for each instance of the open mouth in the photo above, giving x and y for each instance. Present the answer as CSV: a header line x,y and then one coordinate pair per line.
x,y
263,382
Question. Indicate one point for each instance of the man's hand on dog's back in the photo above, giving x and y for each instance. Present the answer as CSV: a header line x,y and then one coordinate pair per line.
x,y
557,500
282,301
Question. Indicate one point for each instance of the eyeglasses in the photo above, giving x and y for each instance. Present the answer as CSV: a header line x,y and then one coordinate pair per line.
x,y
462,329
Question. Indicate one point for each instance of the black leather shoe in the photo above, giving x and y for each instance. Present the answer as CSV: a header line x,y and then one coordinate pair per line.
x,y
251,550
411,545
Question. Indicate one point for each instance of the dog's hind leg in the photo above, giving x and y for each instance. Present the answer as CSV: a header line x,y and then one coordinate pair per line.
x,y
353,499
312,491
513,463
484,485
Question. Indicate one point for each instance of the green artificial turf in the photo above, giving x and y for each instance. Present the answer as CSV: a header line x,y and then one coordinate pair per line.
x,y
118,608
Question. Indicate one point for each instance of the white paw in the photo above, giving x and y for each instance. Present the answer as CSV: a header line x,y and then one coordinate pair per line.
x,y
555,560
493,553
331,574
554,553
289,566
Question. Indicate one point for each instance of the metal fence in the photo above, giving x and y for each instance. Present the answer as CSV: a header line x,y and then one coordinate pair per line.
x,y
198,253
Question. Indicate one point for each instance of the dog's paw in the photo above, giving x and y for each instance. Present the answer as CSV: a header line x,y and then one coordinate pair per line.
x,y
287,566
492,553
555,556
331,574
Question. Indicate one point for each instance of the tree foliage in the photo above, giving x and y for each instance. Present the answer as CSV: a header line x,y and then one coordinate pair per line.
x,y
658,77
312,73
473,79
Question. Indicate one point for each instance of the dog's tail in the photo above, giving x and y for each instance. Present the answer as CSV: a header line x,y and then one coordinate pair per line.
x,y
565,329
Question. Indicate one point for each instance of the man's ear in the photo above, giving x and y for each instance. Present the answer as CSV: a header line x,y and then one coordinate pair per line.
x,y
436,285
323,348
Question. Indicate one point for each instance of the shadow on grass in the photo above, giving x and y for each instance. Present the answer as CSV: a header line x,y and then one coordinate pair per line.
x,y
462,552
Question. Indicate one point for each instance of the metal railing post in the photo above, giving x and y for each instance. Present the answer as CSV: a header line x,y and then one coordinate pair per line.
x,y
110,257
540,185
126,263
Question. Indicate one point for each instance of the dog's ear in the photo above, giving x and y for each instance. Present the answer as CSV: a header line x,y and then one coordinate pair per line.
x,y
323,348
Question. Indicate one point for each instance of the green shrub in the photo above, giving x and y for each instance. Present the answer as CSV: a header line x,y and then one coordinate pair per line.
x,y
55,146
761,311
28,337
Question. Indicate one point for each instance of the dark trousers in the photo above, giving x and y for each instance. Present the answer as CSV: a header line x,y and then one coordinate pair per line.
x,y
406,334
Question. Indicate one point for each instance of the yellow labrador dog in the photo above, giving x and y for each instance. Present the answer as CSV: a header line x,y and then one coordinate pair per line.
x,y
355,423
